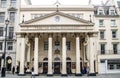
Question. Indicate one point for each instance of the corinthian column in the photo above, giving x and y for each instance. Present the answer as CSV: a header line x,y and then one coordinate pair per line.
x,y
22,56
50,73
64,73
78,73
36,55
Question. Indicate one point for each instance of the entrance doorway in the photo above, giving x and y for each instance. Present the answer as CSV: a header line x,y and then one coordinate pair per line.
x,y
45,65
68,65
57,65
8,63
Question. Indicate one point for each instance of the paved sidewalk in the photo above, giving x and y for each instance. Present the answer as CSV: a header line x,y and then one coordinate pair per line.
x,y
44,76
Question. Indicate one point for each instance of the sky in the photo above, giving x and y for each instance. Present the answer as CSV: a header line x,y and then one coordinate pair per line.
x,y
66,2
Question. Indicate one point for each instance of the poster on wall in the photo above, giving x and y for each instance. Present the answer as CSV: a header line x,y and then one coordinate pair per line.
x,y
73,65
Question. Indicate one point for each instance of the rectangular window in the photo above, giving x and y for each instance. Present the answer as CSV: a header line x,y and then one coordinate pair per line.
x,y
115,49
102,47
68,45
9,45
101,22
45,45
12,17
118,66
100,12
113,64
1,45
3,3
1,31
11,32
57,45
114,35
112,12
113,23
2,17
102,35
13,3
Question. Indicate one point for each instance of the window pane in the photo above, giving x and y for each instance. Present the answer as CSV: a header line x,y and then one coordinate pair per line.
x,y
3,3
115,48
112,12
102,48
113,34
11,32
45,45
100,12
68,45
57,45
100,22
101,34
113,23
12,17
2,17
13,3
1,31
1,45
9,45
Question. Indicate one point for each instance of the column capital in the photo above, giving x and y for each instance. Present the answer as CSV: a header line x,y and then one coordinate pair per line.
x,y
63,34
50,35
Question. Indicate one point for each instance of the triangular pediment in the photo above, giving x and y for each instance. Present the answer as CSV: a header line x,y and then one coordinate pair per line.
x,y
57,18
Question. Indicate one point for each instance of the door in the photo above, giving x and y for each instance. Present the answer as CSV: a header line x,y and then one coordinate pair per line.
x,y
56,67
102,68
68,67
45,67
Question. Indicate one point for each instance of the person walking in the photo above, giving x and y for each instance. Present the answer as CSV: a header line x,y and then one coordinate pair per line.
x,y
88,69
13,70
32,76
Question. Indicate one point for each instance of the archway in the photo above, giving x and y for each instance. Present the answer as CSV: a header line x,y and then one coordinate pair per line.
x,y
8,63
57,65
68,65
45,65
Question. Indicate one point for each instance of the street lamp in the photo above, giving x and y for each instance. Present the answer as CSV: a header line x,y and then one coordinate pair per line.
x,y
3,72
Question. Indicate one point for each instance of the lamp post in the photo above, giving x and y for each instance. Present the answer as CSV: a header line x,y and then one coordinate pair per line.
x,y
3,72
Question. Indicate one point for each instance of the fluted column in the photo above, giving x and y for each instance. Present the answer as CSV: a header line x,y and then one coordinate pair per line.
x,y
64,73
36,55
50,73
22,56
78,73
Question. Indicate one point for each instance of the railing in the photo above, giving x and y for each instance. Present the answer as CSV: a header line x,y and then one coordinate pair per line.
x,y
108,52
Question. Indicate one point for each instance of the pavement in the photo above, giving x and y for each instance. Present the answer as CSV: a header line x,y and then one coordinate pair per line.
x,y
58,76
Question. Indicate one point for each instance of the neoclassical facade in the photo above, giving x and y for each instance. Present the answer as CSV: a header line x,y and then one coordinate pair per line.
x,y
56,42
62,39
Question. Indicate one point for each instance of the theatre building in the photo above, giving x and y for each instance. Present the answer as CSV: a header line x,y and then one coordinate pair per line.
x,y
60,39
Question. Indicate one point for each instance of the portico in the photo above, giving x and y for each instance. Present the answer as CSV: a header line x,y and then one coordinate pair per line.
x,y
56,46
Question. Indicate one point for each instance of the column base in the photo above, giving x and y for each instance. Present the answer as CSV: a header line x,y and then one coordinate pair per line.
x,y
63,74
92,74
21,74
78,74
49,74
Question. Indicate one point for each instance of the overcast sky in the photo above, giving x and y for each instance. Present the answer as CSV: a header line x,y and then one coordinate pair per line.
x,y
65,2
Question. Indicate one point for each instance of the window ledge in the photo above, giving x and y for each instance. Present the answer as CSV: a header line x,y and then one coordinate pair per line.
x,y
102,39
114,38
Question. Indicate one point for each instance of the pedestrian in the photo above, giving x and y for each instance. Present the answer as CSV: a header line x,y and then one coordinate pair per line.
x,y
32,76
88,69
13,70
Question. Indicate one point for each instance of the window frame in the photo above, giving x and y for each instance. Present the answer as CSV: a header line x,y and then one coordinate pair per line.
x,y
102,48
2,17
10,46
